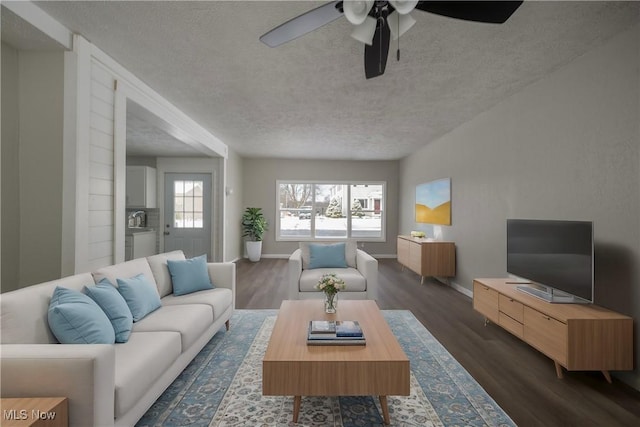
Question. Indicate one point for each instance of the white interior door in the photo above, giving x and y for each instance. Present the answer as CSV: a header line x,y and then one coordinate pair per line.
x,y
187,215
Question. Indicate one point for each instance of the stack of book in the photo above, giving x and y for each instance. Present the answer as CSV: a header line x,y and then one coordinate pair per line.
x,y
338,332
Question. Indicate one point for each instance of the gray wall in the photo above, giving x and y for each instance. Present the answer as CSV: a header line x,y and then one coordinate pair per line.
x,y
36,150
566,147
10,177
259,190
233,207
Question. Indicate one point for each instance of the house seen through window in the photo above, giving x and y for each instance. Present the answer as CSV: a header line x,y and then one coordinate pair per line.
x,y
340,210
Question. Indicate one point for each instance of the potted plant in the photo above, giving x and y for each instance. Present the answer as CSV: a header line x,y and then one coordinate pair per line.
x,y
254,225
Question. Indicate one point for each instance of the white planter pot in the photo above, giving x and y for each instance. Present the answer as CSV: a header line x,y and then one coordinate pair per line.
x,y
254,250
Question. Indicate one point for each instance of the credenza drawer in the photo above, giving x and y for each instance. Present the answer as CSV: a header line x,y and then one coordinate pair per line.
x,y
511,308
546,334
485,301
511,325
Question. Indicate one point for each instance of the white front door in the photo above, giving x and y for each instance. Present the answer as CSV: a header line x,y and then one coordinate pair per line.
x,y
187,213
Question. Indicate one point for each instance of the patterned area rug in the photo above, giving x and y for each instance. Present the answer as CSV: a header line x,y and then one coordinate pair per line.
x,y
223,386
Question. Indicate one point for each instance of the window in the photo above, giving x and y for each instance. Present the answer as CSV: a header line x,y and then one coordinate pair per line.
x,y
330,210
187,204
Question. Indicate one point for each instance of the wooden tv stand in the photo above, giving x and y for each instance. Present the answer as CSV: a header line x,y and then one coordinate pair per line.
x,y
578,337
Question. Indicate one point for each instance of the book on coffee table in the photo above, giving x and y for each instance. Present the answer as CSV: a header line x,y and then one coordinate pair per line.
x,y
348,328
345,332
322,327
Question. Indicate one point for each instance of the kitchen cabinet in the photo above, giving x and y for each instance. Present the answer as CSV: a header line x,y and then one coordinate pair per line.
x,y
141,187
140,244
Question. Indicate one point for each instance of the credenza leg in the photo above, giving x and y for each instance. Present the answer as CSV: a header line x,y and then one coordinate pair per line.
x,y
558,370
296,407
421,280
227,324
607,376
385,410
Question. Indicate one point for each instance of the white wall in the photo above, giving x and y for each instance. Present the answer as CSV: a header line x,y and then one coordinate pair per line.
x,y
259,190
10,171
566,147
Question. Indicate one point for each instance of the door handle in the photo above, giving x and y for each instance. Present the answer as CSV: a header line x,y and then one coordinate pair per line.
x,y
166,233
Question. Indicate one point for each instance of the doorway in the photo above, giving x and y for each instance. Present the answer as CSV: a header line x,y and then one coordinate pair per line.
x,y
187,213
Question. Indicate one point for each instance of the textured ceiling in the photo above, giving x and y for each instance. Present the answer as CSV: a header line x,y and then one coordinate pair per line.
x,y
309,98
149,135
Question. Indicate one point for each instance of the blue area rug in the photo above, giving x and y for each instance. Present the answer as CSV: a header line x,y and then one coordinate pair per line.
x,y
223,384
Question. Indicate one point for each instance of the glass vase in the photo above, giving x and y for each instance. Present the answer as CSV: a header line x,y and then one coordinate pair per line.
x,y
330,303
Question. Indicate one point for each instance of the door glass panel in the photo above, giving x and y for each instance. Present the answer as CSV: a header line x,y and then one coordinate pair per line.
x,y
188,204
197,220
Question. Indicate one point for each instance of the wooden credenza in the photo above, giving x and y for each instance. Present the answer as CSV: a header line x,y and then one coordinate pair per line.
x,y
578,337
427,258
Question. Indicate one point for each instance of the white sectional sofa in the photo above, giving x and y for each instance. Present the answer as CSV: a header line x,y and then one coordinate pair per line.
x,y
111,384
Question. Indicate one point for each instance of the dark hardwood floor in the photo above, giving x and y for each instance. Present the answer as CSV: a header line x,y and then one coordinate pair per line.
x,y
519,378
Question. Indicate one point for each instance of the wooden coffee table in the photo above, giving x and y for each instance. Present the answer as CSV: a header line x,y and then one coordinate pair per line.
x,y
292,368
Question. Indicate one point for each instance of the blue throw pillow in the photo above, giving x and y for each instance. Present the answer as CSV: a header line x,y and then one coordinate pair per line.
x,y
114,306
74,318
327,256
189,275
141,295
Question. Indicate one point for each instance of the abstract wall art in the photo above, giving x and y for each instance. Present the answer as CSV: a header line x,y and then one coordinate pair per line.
x,y
433,202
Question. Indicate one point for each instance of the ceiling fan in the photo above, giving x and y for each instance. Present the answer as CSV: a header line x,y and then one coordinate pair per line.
x,y
376,22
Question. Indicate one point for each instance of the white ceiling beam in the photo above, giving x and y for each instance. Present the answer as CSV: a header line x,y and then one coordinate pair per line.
x,y
35,16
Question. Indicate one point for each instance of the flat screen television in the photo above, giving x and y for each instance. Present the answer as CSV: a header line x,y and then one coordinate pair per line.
x,y
554,259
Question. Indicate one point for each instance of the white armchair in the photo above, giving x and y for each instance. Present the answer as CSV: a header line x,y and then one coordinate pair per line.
x,y
360,275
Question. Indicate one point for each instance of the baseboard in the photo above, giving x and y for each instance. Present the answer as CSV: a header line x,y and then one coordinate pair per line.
x,y
461,289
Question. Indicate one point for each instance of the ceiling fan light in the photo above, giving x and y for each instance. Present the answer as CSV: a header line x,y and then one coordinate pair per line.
x,y
364,32
357,11
399,24
404,6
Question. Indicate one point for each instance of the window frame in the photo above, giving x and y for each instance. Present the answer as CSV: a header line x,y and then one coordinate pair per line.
x,y
349,236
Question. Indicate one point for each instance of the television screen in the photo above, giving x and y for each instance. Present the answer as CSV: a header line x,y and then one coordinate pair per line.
x,y
556,254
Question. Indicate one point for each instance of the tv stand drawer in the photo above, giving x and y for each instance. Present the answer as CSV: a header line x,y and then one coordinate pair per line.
x,y
511,308
511,325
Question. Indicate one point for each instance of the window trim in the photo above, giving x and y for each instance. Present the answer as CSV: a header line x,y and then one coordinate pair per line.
x,y
312,238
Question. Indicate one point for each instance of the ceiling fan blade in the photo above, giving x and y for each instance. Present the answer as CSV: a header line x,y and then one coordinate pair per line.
x,y
494,12
303,24
375,56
